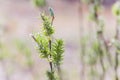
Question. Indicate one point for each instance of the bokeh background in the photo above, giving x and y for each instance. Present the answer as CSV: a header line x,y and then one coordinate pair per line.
x,y
19,59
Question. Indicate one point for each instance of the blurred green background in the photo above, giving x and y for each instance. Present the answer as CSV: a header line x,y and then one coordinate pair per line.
x,y
19,18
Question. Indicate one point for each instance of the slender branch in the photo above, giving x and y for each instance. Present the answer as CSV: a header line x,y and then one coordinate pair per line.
x,y
103,68
116,55
116,65
50,42
50,63
100,38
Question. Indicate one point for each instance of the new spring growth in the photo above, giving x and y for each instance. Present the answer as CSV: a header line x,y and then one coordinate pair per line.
x,y
52,14
58,50
48,29
50,49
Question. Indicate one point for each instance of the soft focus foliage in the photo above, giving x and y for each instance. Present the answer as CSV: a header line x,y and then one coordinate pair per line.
x,y
91,1
4,52
116,8
39,3
90,53
24,49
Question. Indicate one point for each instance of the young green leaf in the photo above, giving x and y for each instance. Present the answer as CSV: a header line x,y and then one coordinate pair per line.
x,y
58,50
48,29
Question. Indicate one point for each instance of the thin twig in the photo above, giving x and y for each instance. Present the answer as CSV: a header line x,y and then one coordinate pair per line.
x,y
116,55
50,63
99,34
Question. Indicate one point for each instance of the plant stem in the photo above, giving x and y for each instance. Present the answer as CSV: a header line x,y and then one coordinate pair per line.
x,y
116,66
50,63
50,42
101,56
102,65
100,39
116,55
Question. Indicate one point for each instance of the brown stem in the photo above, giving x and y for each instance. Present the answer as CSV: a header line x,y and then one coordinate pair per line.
x,y
50,63
52,20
